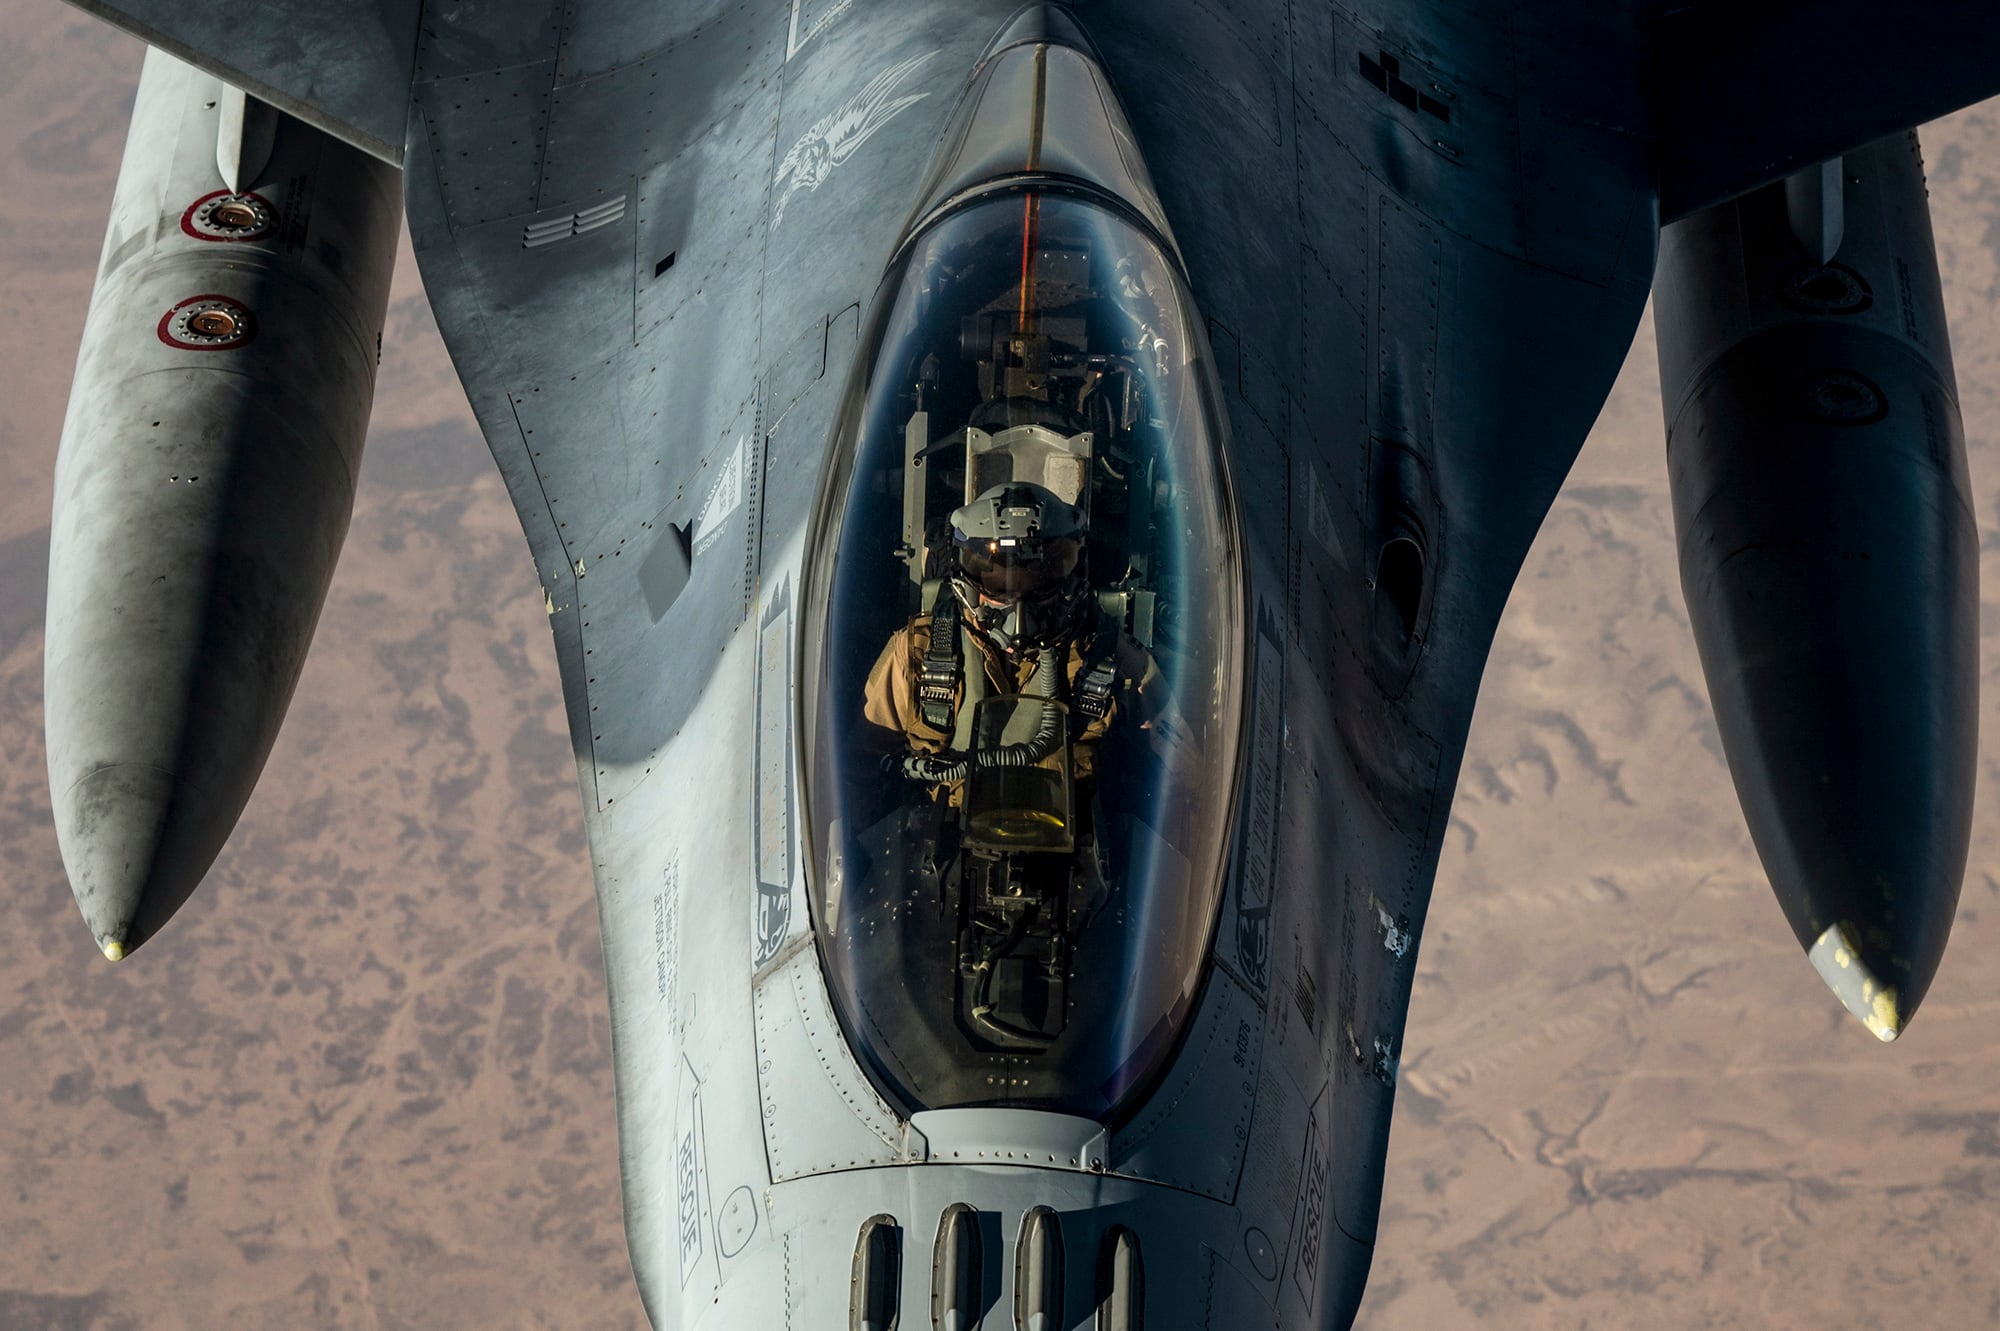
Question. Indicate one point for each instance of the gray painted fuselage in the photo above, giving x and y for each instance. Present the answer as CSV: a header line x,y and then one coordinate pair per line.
x,y
1415,317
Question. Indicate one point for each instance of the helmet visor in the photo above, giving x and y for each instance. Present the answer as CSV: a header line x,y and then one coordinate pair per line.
x,y
1008,571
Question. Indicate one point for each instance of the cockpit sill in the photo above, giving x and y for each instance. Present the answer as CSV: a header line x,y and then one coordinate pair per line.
x,y
1029,1137
1097,186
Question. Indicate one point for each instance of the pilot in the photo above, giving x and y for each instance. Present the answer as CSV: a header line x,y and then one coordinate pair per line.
x,y
1024,623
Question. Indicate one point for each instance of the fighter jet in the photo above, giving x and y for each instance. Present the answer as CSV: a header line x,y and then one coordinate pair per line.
x,y
1023,497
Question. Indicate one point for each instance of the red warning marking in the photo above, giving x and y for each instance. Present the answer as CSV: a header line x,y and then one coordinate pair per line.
x,y
174,329
199,223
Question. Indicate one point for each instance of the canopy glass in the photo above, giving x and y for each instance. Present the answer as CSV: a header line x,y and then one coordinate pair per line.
x,y
1027,647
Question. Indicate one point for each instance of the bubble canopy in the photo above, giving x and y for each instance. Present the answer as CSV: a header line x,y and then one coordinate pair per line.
x,y
1025,631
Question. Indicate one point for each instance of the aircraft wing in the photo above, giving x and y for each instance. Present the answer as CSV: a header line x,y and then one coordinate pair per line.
x,y
1748,93
341,67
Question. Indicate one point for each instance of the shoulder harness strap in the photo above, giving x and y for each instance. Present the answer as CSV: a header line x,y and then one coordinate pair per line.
x,y
1090,695
938,679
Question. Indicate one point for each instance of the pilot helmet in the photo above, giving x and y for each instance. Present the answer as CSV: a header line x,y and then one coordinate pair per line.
x,y
1018,549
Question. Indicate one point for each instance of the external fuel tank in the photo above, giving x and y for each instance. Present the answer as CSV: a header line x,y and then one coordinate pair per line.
x,y
1829,556
205,478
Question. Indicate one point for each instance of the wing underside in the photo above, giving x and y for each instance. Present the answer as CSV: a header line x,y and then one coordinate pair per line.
x,y
1749,93
342,68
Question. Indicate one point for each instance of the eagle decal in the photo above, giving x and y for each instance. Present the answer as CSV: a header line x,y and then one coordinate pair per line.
x,y
837,137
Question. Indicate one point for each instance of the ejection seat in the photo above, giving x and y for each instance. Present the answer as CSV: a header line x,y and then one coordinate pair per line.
x,y
1043,454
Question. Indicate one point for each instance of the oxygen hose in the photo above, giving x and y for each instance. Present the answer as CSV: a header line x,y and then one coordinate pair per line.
x,y
1048,736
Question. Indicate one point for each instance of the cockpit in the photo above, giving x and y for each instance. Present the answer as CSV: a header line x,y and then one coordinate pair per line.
x,y
1027,643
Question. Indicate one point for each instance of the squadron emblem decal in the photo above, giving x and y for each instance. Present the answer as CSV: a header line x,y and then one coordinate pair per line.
x,y
837,137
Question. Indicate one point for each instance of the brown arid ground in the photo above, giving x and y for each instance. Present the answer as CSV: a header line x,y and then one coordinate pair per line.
x,y
362,1082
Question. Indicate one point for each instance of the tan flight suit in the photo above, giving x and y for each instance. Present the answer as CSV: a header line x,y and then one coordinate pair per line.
x,y
891,693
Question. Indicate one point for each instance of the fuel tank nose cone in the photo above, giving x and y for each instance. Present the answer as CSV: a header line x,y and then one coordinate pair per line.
x,y
1860,983
1868,874
136,841
1830,557
1865,845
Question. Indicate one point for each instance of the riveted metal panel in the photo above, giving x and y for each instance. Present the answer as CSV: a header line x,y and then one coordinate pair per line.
x,y
702,207
638,107
1231,1302
598,38
1244,941
495,171
1194,1128
1579,224
611,519
480,36
820,1113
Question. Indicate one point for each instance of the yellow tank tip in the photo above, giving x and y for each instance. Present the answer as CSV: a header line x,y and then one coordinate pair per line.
x,y
1836,955
113,949
1884,1018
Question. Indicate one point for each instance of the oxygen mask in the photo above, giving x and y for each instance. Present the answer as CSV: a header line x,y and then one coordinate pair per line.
x,y
1018,550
